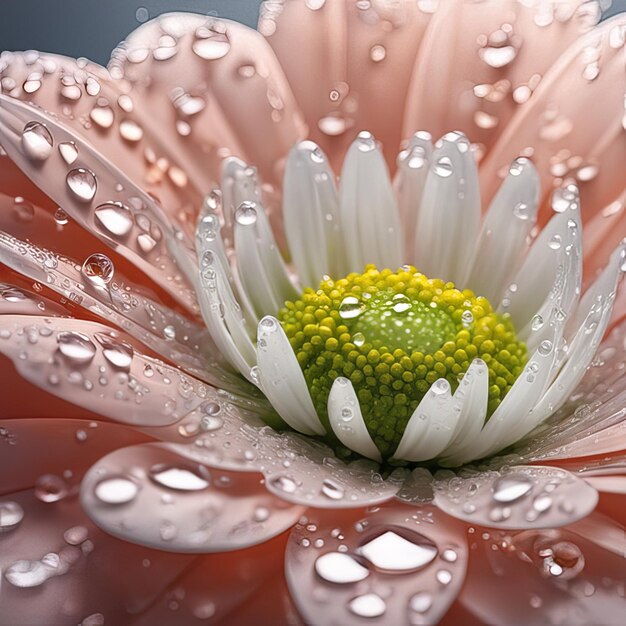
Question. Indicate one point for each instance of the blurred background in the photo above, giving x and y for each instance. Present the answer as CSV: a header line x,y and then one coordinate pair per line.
x,y
92,28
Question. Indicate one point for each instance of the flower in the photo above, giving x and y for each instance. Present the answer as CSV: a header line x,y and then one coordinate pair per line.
x,y
126,311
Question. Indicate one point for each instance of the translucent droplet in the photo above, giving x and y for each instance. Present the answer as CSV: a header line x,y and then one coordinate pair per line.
x,y
246,214
82,184
284,484
333,125
27,573
332,490
75,535
119,354
378,53
511,487
50,488
545,347
115,217
169,332
102,116
68,151
116,490
131,131
11,514
350,308
358,339
37,141
340,568
401,303
214,46
443,167
421,602
395,553
180,478
98,269
60,217
368,605
76,347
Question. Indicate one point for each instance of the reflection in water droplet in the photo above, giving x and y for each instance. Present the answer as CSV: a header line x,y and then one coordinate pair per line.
x,y
11,514
115,218
332,490
50,488
76,347
180,478
443,167
378,53
116,490
82,184
119,354
340,568
350,308
395,553
211,45
284,484
246,214
368,605
60,217
98,269
37,141
511,487
68,151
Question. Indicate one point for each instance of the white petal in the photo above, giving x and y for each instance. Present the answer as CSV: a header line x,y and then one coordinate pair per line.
x,y
473,393
262,270
311,214
409,184
346,420
551,274
432,425
222,315
591,320
282,380
239,184
505,229
369,215
449,218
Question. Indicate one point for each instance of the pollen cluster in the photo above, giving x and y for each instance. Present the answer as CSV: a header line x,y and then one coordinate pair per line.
x,y
393,334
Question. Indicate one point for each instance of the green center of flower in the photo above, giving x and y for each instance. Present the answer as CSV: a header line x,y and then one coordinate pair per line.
x,y
393,334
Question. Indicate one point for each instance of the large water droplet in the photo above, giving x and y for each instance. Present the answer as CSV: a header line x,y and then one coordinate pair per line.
x,y
82,184
131,131
340,568
102,116
246,214
211,45
350,308
76,347
395,553
116,490
180,478
368,605
443,167
68,151
27,573
284,484
37,141
98,269
511,487
50,488
115,218
118,353
11,514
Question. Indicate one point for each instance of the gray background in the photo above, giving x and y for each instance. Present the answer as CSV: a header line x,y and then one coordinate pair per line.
x,y
92,28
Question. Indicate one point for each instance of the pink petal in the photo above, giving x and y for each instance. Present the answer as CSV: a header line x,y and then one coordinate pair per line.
x,y
222,80
376,566
478,60
537,577
573,122
349,64
517,497
149,495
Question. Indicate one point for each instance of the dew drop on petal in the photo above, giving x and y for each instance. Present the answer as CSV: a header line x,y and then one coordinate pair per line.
x,y
82,183
246,214
119,354
367,605
115,217
392,552
27,573
102,116
511,487
116,490
131,131
350,308
340,568
37,141
68,151
421,602
210,45
11,514
76,347
50,488
98,269
443,167
178,478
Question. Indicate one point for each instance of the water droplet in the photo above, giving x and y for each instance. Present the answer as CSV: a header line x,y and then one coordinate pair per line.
x,y
68,151
378,53
339,568
395,553
536,322
350,308
332,490
102,115
246,214
443,167
118,353
37,141
98,269
75,535
11,514
545,347
180,478
401,303
482,119
521,211
146,243
211,45
511,487
555,242
444,576
467,318
131,131
284,484
27,573
421,602
142,15
82,184
116,490
358,339
76,347
333,125
368,605
115,217
50,488
169,332
449,555
60,217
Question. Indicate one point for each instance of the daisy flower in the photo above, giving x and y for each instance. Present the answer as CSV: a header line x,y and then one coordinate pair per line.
x,y
319,323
